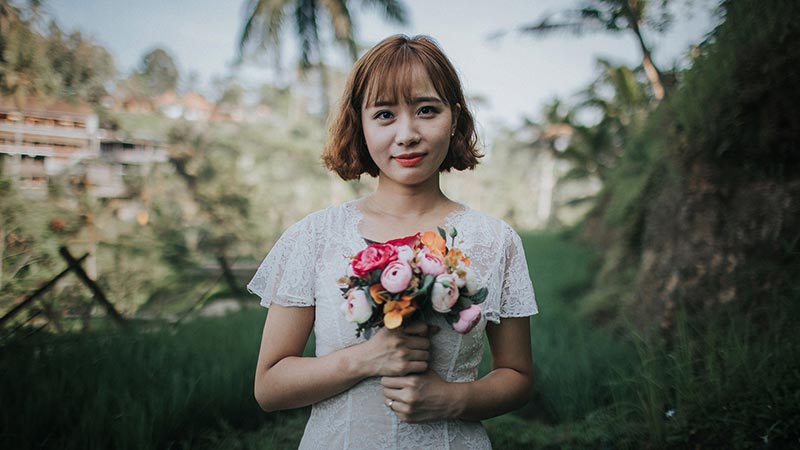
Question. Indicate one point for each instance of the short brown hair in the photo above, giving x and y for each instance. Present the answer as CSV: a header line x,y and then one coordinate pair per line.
x,y
386,69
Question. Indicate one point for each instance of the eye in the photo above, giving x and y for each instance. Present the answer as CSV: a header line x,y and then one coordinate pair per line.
x,y
383,115
428,110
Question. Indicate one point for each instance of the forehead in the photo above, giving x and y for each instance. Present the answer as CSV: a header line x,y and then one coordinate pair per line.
x,y
400,82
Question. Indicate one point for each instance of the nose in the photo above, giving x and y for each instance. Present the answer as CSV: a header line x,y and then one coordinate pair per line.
x,y
407,134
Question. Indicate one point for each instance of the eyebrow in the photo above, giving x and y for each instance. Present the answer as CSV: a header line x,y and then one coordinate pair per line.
x,y
413,102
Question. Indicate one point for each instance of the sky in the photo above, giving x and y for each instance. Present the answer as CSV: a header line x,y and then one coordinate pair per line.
x,y
515,75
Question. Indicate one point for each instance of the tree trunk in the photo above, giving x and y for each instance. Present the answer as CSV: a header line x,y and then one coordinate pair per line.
x,y
650,69
2,252
227,273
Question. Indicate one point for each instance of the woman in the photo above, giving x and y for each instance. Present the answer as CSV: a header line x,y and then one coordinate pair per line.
x,y
403,118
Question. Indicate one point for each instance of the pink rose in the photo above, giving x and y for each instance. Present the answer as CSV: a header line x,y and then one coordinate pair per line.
x,y
429,263
444,293
375,256
396,276
356,307
467,319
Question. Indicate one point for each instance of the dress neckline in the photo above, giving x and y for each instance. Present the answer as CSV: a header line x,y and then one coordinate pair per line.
x,y
356,217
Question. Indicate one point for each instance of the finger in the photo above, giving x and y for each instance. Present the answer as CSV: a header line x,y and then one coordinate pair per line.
x,y
418,343
417,328
391,394
401,408
394,382
418,355
417,367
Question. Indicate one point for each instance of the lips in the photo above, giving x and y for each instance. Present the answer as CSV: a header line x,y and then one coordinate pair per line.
x,y
409,159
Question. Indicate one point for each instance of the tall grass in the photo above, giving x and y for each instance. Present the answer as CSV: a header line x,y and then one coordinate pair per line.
x,y
574,361
726,381
731,380
132,390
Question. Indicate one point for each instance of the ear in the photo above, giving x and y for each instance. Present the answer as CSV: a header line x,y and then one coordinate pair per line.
x,y
456,112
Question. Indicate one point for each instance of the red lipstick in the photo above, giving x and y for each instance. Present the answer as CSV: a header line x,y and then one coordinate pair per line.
x,y
409,159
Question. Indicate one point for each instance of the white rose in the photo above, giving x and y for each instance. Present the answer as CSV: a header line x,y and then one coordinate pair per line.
x,y
461,274
473,283
356,307
444,293
405,253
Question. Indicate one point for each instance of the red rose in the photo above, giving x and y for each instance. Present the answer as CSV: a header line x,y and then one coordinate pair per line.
x,y
375,256
410,241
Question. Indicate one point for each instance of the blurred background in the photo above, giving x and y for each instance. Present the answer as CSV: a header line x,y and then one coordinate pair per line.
x,y
151,153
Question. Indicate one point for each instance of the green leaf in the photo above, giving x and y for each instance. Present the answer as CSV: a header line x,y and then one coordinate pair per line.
x,y
369,297
478,297
427,282
442,233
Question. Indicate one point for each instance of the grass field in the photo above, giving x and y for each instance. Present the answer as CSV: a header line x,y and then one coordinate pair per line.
x,y
732,384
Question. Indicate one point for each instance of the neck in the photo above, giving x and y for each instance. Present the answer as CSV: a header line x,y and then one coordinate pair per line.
x,y
403,200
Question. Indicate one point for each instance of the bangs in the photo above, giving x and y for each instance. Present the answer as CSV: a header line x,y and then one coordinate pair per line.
x,y
392,77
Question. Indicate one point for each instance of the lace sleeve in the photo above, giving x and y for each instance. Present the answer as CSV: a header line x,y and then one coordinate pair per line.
x,y
517,298
286,276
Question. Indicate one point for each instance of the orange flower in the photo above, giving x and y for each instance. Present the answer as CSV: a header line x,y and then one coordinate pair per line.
x,y
454,255
434,242
379,294
395,310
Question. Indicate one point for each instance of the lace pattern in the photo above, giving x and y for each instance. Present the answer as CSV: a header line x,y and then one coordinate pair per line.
x,y
302,269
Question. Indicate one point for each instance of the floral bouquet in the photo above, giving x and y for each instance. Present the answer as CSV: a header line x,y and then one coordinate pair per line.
x,y
387,284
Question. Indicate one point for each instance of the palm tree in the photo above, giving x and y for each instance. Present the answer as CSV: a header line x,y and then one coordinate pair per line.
x,y
264,25
612,16
619,103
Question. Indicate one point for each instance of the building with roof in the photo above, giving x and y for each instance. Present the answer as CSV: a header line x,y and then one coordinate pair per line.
x,y
42,138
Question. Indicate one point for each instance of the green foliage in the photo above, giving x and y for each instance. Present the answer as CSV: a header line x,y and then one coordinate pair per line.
x,y
83,67
643,163
283,431
52,64
24,66
727,380
612,16
264,24
739,106
158,72
148,389
567,388
722,140
30,234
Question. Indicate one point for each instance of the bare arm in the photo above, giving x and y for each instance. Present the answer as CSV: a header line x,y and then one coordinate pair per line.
x,y
419,398
285,379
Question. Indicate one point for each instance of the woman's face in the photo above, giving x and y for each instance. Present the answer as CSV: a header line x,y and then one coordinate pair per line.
x,y
409,141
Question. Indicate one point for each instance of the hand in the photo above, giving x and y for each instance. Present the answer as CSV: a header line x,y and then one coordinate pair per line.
x,y
420,398
401,351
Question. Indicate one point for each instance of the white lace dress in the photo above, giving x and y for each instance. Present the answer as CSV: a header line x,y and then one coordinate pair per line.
x,y
302,269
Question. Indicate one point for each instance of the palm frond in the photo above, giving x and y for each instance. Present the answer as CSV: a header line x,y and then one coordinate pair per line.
x,y
305,16
548,26
262,27
342,25
393,10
